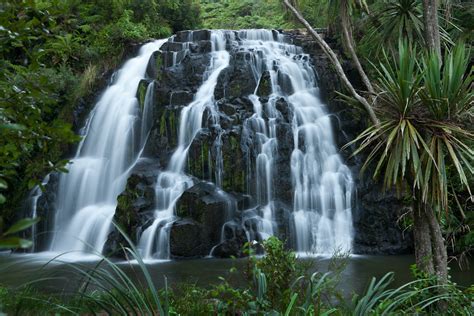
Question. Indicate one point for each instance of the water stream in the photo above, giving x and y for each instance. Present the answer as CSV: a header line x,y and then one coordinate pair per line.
x,y
114,137
117,130
171,183
322,183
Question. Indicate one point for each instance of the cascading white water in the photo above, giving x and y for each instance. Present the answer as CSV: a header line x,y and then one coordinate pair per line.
x,y
322,182
170,185
114,137
35,194
117,131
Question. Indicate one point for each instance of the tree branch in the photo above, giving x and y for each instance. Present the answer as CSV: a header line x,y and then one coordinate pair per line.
x,y
333,57
347,35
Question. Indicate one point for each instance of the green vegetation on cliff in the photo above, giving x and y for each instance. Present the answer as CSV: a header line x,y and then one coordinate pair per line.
x,y
55,55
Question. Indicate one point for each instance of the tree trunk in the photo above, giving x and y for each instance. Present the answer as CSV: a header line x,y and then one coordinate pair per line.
x,y
430,16
422,236
349,42
337,65
440,256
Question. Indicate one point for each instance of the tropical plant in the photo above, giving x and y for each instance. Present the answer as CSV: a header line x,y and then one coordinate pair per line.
x,y
7,241
110,288
391,20
420,135
422,295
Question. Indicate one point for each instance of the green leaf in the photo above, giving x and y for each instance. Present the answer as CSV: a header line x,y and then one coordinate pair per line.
x,y
290,306
15,242
17,127
2,199
22,224
31,183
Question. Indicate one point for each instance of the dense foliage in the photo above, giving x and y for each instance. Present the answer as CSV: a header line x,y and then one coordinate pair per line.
x,y
54,55
245,14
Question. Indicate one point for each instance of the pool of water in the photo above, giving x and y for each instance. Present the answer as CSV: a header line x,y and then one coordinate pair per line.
x,y
58,275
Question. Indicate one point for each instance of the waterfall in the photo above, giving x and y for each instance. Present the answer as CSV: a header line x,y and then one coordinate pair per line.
x,y
283,92
35,194
171,183
114,137
322,183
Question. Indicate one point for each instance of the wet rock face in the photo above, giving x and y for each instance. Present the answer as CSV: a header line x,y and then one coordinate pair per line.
x,y
135,206
378,222
45,207
188,240
375,213
203,209
204,205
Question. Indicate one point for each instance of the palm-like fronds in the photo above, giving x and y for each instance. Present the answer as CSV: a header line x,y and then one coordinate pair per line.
x,y
399,18
447,89
447,147
395,19
420,134
397,142
398,83
416,296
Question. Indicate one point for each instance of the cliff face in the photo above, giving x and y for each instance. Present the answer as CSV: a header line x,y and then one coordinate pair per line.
x,y
220,218
377,214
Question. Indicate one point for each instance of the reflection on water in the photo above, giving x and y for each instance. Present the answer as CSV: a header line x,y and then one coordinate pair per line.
x,y
16,270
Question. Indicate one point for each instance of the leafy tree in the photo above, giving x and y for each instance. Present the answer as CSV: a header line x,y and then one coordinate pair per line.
x,y
53,54
391,20
421,133
243,14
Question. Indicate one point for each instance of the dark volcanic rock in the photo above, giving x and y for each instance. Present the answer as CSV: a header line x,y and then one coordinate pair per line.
x,y
188,239
206,213
134,206
45,209
233,245
376,222
205,205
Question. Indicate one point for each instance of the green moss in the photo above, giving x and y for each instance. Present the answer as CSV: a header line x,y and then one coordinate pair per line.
x,y
235,89
159,66
234,174
173,130
141,93
265,85
163,123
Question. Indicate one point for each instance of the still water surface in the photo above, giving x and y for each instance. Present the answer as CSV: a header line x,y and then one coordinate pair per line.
x,y
16,270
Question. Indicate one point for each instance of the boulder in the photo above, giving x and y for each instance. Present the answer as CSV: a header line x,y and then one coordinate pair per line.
x,y
188,240
204,204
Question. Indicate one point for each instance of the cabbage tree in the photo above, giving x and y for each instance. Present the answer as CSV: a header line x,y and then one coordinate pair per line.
x,y
422,107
